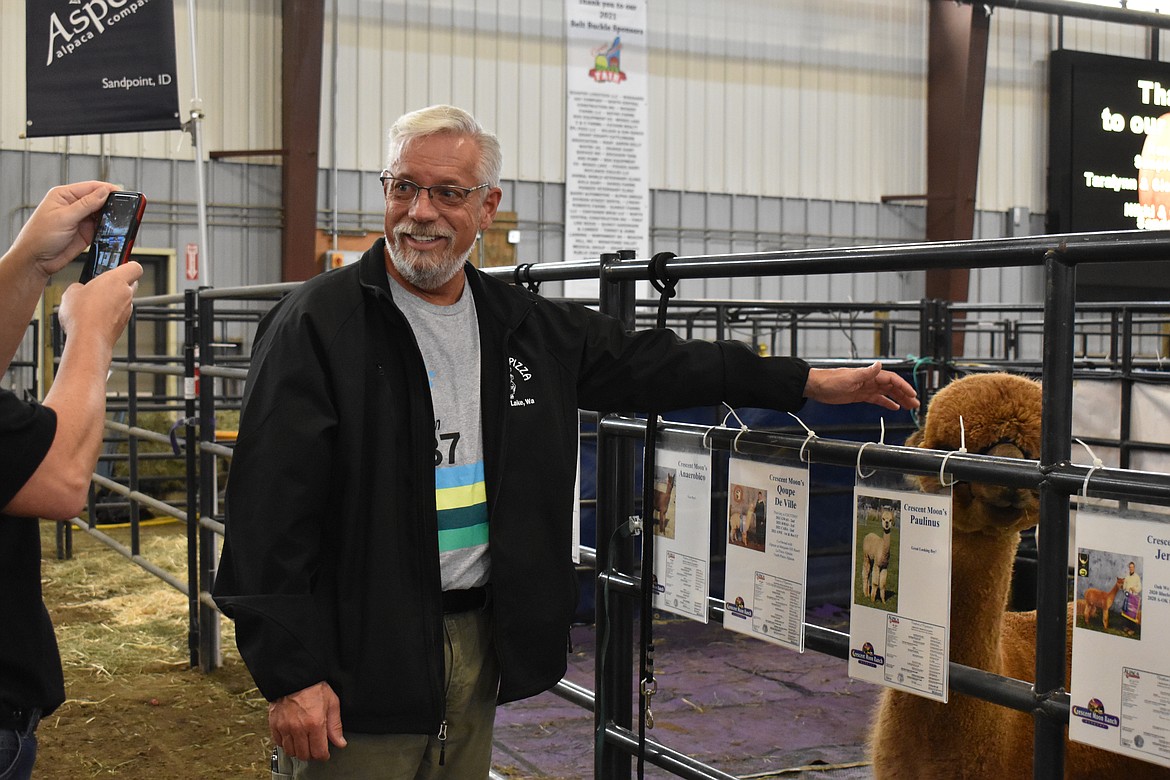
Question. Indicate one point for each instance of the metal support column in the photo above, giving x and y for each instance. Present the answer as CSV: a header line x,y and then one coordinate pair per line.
x,y
1055,450
135,515
209,644
616,465
302,39
190,348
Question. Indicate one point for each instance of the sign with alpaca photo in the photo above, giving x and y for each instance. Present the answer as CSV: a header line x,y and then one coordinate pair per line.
x,y
767,550
680,519
899,624
1120,680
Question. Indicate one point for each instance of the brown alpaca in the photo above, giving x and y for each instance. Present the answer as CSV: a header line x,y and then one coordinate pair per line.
x,y
876,562
1096,600
662,502
914,737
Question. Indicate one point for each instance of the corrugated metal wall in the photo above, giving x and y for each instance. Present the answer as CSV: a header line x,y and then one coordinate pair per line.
x,y
773,124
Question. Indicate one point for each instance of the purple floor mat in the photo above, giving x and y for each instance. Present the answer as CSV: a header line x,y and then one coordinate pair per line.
x,y
737,704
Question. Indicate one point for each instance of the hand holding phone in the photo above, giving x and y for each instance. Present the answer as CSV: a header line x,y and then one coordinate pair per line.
x,y
116,228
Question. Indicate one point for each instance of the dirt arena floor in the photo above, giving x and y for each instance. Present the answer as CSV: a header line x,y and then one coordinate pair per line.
x,y
135,709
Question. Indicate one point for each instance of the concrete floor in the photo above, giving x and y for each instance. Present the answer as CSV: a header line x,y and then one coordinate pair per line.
x,y
745,707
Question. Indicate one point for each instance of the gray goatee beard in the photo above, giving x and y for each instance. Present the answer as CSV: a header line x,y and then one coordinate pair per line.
x,y
422,269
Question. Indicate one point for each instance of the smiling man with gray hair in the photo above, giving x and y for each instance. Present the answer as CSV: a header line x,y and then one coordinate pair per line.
x,y
397,554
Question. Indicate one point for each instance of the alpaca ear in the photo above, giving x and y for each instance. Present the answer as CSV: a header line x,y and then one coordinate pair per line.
x,y
915,439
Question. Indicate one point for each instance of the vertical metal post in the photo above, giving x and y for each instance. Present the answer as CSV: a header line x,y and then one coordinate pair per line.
x,y
131,439
926,326
64,528
209,647
1127,382
1114,347
190,347
885,338
1052,569
613,665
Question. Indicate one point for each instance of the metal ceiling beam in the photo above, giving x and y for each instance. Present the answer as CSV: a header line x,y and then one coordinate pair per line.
x,y
1099,13
302,36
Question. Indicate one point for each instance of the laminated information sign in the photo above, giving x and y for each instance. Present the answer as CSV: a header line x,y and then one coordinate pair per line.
x,y
767,550
1120,692
681,521
899,626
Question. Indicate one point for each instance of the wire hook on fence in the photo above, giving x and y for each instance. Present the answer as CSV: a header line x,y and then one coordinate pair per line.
x,y
811,435
742,429
523,276
942,479
174,436
881,440
1097,464
663,283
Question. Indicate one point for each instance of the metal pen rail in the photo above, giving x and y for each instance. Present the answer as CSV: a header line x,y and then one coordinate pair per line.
x,y
206,374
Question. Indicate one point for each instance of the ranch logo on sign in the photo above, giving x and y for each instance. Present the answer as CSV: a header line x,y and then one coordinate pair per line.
x,y
867,657
607,62
1095,715
738,608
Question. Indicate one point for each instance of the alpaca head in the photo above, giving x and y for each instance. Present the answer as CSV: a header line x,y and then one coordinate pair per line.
x,y
887,515
1001,417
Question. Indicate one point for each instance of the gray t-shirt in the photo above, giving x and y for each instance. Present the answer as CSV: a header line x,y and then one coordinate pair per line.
x,y
448,337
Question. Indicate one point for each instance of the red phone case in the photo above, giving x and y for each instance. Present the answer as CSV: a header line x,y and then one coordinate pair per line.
x,y
116,229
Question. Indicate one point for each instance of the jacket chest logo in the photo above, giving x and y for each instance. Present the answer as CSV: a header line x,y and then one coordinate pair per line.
x,y
518,375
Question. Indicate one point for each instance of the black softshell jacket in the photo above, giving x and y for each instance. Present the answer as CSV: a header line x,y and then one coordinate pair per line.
x,y
330,562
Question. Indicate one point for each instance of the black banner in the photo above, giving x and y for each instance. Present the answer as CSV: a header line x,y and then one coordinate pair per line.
x,y
100,66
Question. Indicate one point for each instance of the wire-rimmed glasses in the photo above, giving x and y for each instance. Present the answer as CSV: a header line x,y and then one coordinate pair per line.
x,y
405,191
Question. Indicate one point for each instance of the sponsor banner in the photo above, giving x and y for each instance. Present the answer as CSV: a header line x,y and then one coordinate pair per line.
x,y
100,66
607,159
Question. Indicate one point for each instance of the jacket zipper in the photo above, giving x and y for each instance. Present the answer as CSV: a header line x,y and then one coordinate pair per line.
x,y
442,735
388,299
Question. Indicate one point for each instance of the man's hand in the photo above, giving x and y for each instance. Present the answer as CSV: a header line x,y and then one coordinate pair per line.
x,y
851,385
100,310
61,226
305,722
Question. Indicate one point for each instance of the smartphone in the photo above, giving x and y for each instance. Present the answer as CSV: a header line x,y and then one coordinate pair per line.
x,y
116,228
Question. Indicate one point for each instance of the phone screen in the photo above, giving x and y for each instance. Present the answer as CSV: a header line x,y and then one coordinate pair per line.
x,y
116,229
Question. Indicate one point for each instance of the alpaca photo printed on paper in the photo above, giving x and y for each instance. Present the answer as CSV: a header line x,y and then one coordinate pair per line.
x,y
1109,593
876,580
662,511
747,516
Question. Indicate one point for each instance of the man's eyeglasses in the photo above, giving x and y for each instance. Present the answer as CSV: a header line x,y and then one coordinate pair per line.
x,y
442,195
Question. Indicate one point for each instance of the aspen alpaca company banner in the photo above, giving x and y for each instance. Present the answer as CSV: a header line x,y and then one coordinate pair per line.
x,y
100,66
